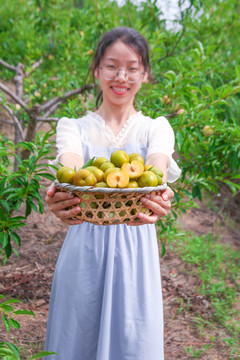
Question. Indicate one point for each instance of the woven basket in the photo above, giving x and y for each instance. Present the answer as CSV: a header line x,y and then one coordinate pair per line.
x,y
109,206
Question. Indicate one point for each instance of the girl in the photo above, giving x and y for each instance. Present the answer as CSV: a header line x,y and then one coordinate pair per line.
x,y
106,299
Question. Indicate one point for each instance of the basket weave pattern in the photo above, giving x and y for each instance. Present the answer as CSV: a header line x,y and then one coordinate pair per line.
x,y
100,207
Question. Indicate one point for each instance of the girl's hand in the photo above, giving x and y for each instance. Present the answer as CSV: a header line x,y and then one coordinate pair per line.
x,y
59,202
159,203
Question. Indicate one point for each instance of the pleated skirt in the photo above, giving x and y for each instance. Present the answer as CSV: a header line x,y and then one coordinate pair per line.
x,y
106,297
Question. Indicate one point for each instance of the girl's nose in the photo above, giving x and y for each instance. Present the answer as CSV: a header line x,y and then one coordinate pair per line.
x,y
121,75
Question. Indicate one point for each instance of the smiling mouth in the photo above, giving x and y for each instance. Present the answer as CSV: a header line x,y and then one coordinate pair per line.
x,y
119,90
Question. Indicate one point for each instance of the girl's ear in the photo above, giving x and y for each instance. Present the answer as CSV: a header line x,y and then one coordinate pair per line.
x,y
145,77
96,73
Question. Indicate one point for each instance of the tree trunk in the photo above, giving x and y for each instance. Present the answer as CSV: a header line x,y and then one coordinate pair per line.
x,y
30,136
17,139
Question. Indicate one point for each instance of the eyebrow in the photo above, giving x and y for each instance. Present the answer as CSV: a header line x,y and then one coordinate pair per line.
x,y
116,60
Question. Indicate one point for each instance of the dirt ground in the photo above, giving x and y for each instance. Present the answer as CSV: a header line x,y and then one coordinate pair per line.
x,y
29,278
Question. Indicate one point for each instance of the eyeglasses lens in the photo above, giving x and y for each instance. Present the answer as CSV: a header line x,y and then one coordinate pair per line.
x,y
111,73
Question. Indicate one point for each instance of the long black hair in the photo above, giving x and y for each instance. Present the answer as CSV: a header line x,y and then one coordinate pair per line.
x,y
128,36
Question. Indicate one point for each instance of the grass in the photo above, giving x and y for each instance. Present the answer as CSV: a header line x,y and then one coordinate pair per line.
x,y
217,265
30,349
195,352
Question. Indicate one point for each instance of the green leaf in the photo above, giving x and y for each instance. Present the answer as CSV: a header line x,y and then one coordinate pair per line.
x,y
28,209
170,75
89,163
16,252
47,176
42,353
24,312
3,182
26,145
44,165
34,207
5,351
232,186
210,90
18,218
32,162
41,206
163,249
235,177
5,240
8,250
10,301
17,205
196,191
6,307
15,324
200,47
223,102
18,159
6,323
237,69
14,350
16,238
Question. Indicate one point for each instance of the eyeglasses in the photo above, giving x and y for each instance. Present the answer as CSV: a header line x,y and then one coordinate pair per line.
x,y
132,75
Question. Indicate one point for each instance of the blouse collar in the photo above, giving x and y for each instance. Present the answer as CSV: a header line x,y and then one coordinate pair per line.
x,y
101,121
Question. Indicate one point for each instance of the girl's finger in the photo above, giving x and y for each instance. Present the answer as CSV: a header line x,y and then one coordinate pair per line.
x,y
68,214
156,207
58,197
148,219
72,221
51,190
135,223
167,194
64,204
159,200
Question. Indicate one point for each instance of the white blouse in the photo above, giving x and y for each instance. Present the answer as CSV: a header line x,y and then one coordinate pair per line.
x,y
157,133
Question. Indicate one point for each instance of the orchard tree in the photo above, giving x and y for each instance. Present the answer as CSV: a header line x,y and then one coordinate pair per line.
x,y
194,81
36,113
46,51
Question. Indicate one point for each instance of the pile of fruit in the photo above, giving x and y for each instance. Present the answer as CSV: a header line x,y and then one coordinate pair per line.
x,y
121,171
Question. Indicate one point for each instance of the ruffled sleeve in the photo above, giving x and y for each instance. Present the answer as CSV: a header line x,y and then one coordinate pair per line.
x,y
162,140
68,138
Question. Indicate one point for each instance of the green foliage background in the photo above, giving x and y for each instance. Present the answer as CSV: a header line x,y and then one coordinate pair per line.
x,y
195,83
196,67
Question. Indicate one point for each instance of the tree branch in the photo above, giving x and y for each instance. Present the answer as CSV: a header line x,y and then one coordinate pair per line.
x,y
36,65
7,122
51,105
40,120
8,66
40,61
44,118
15,119
168,54
52,109
18,78
39,5
14,97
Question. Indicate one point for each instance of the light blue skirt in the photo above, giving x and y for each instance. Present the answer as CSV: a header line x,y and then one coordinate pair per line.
x,y
106,299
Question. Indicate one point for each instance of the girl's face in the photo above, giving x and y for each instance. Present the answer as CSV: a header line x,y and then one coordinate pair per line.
x,y
117,87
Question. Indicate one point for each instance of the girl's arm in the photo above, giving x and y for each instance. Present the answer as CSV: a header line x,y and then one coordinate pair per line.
x,y
59,201
160,161
71,160
159,203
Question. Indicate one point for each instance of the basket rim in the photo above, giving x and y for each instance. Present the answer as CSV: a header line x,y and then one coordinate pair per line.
x,y
95,189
